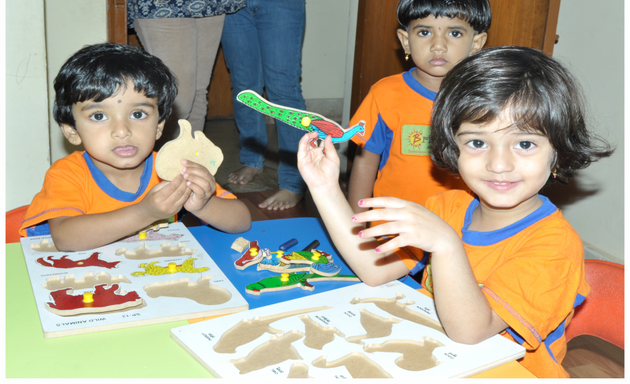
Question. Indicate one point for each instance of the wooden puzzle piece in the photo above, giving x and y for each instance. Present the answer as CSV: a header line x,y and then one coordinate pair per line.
x,y
398,309
304,120
200,291
46,245
240,244
252,255
317,335
89,280
65,263
374,325
416,355
151,233
274,263
152,269
320,262
142,252
358,365
293,280
248,330
101,300
199,150
298,371
274,351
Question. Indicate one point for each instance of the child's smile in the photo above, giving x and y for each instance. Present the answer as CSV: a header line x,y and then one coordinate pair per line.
x,y
505,167
118,133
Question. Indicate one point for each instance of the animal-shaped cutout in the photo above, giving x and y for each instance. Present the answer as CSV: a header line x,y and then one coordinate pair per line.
x,y
102,300
248,330
45,245
358,365
398,309
274,351
307,121
416,355
64,262
89,280
317,335
298,371
200,291
199,150
142,252
374,325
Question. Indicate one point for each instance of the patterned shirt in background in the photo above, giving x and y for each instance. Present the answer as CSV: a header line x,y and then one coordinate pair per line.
x,y
152,9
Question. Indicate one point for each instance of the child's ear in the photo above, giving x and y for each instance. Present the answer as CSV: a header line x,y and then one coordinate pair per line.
x,y
403,36
71,134
160,128
479,40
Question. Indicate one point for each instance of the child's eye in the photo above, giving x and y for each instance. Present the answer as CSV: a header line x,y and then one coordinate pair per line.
x,y
424,32
476,144
456,33
525,145
98,116
138,115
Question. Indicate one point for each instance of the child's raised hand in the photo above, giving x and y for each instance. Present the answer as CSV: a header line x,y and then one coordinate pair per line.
x,y
318,169
166,199
202,184
415,225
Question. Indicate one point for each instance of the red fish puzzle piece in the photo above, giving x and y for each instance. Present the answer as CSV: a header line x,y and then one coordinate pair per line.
x,y
64,262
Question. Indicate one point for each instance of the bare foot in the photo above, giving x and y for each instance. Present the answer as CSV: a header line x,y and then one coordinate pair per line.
x,y
243,175
281,200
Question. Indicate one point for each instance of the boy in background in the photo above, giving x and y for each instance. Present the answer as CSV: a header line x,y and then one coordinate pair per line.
x,y
115,99
393,156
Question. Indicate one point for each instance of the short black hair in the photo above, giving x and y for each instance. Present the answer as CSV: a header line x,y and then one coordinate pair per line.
x,y
98,71
540,93
474,12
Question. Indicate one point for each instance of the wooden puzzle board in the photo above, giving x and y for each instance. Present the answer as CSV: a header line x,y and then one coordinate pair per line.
x,y
192,286
340,334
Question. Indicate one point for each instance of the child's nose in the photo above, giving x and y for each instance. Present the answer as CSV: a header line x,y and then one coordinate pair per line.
x,y
499,160
121,130
438,44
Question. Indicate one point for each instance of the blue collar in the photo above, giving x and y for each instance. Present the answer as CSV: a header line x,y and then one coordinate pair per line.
x,y
417,87
111,190
493,237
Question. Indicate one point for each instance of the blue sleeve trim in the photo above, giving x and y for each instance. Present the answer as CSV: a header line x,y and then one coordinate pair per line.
x,y
38,230
380,141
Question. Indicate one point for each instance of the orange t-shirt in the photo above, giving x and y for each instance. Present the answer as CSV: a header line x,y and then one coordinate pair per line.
x,y
73,186
531,272
397,115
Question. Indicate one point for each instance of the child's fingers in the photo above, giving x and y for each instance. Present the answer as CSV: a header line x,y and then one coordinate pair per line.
x,y
331,152
383,202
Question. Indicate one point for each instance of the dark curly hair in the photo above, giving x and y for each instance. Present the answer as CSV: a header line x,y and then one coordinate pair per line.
x,y
474,12
99,71
540,93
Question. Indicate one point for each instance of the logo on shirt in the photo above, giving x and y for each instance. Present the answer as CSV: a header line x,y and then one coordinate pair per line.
x,y
416,140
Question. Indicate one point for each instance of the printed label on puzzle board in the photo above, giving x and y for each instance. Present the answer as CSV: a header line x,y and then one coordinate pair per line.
x,y
416,140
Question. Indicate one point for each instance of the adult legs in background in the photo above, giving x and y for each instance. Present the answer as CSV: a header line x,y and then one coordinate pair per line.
x,y
270,32
188,47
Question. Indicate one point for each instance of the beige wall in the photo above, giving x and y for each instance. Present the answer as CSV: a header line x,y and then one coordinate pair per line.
x,y
591,44
27,152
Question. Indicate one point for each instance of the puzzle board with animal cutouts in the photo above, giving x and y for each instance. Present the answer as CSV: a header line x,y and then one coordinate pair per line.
x,y
389,331
166,276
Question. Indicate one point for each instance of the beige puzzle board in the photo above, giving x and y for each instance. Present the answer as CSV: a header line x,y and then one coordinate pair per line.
x,y
389,331
166,276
